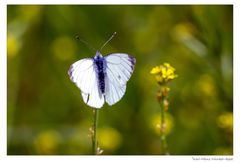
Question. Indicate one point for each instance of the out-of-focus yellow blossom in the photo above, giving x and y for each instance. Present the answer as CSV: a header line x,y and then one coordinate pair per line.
x,y
109,138
47,142
156,124
164,73
223,151
225,121
13,45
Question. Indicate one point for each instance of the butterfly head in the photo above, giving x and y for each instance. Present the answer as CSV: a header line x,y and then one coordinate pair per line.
x,y
98,55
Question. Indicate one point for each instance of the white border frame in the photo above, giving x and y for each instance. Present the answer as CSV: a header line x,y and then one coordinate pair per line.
x,y
106,159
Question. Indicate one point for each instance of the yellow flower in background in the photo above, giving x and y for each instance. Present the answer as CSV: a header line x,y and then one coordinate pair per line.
x,y
156,124
13,45
164,73
109,138
225,121
47,142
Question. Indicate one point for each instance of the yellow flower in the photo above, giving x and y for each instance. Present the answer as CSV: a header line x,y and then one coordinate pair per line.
x,y
155,70
164,73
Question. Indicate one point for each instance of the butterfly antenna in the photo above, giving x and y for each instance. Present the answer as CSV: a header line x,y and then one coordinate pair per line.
x,y
108,40
85,43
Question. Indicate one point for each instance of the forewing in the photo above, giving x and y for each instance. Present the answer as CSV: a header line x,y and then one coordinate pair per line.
x,y
119,68
82,73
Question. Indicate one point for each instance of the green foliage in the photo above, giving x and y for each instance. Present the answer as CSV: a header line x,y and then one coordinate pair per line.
x,y
46,114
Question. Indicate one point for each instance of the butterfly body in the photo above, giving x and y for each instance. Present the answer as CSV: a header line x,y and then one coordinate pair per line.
x,y
102,78
100,68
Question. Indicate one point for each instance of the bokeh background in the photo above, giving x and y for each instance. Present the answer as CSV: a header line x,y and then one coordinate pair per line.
x,y
46,113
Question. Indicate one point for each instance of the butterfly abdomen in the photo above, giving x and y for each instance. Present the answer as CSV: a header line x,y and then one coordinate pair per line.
x,y
100,67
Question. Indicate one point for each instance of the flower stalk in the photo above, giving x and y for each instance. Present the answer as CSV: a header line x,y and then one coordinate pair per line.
x,y
163,108
94,132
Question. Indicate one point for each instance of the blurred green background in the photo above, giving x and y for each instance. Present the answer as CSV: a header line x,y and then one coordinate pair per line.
x,y
46,113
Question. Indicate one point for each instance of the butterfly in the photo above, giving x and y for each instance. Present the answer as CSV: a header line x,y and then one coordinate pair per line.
x,y
102,78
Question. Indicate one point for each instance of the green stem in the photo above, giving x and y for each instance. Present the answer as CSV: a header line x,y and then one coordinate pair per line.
x,y
94,136
164,145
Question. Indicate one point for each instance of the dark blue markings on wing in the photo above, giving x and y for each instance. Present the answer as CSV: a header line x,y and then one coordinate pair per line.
x,y
133,61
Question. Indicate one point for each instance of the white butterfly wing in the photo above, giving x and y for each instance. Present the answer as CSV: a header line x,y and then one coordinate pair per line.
x,y
119,68
82,73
